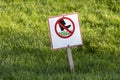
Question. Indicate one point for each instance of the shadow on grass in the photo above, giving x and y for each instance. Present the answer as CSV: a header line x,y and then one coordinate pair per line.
x,y
24,72
36,62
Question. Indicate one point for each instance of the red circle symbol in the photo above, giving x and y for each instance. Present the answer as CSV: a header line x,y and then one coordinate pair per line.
x,y
62,30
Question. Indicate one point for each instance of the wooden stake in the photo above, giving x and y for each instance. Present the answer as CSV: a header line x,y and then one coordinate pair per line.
x,y
70,59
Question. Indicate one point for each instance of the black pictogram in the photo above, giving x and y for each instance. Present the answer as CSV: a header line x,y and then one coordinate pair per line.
x,y
63,23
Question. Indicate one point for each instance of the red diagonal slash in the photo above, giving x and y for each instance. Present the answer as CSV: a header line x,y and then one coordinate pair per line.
x,y
64,27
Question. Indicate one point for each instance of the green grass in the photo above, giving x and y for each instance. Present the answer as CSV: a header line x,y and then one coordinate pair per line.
x,y
25,48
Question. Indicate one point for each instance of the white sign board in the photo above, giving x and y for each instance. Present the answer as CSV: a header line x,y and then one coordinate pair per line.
x,y
65,31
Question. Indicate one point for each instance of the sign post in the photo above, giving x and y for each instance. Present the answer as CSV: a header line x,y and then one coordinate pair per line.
x,y
70,59
65,32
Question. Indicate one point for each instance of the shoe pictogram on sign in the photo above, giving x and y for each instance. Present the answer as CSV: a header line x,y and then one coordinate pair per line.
x,y
64,27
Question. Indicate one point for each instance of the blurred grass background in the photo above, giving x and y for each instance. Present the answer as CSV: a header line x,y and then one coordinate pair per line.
x,y
25,49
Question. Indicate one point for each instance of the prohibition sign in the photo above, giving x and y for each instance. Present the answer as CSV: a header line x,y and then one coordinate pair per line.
x,y
70,32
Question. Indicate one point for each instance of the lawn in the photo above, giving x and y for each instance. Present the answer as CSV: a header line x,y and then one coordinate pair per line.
x,y
25,48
